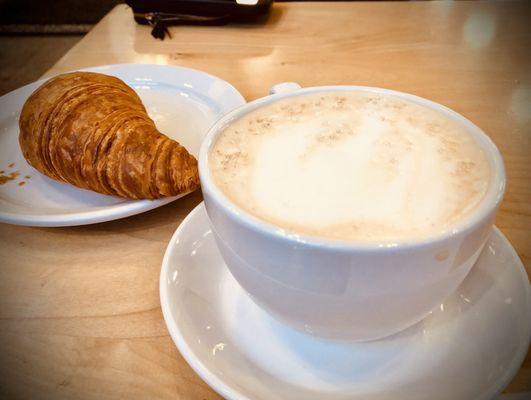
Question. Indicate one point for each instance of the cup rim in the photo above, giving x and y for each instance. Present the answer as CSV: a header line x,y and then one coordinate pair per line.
x,y
489,203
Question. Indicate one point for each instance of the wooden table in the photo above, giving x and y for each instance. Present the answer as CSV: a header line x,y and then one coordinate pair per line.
x,y
79,307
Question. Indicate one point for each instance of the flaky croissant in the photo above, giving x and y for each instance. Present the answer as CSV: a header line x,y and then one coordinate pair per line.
x,y
92,131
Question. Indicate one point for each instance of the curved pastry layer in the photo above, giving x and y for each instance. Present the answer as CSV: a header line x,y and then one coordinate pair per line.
x,y
92,131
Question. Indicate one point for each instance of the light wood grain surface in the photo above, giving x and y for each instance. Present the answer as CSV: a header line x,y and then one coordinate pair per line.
x,y
79,307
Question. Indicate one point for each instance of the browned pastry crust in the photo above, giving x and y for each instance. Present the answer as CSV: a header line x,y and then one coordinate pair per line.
x,y
92,131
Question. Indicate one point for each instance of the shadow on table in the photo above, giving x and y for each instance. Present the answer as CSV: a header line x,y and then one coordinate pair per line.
x,y
156,224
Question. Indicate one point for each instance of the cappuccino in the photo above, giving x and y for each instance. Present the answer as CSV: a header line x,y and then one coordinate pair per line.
x,y
351,165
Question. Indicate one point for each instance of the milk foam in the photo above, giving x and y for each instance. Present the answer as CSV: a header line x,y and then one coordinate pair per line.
x,y
351,166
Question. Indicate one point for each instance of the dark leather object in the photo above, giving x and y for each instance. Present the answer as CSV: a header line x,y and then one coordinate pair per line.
x,y
162,13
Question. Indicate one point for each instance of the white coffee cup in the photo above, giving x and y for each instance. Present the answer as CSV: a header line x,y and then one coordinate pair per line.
x,y
346,290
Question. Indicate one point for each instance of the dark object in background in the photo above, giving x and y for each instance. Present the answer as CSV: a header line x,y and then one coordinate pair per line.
x,y
52,16
162,13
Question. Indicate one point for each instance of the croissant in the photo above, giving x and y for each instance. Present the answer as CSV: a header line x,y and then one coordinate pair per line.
x,y
92,131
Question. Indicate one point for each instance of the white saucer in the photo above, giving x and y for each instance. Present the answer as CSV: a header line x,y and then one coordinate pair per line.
x,y
469,348
183,102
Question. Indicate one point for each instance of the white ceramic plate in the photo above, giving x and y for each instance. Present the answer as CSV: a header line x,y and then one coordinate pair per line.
x,y
469,348
183,102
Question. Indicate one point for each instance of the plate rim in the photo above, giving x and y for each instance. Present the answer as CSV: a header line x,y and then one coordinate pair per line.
x,y
229,392
114,211
192,360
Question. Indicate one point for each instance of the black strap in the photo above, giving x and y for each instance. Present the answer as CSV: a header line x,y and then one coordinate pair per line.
x,y
160,21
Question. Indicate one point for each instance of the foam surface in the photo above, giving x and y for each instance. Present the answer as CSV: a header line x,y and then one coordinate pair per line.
x,y
351,166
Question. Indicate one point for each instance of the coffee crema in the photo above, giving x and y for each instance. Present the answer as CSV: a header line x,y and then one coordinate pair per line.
x,y
351,165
